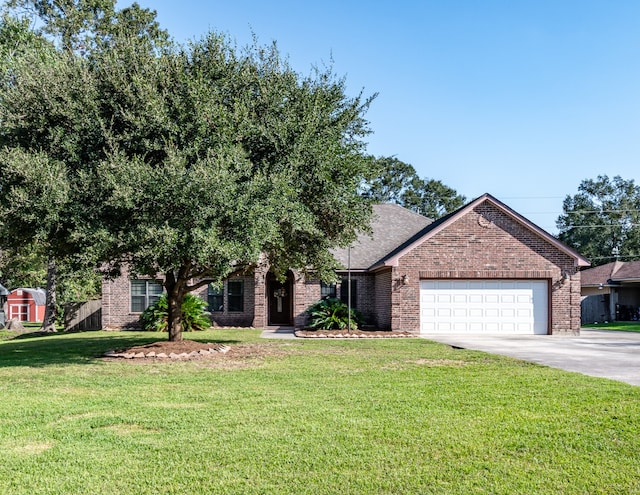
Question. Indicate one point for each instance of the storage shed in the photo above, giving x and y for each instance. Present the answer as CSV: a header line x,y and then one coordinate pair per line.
x,y
26,304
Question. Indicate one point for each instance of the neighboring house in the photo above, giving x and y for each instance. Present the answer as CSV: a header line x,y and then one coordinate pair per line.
x,y
611,292
482,269
26,304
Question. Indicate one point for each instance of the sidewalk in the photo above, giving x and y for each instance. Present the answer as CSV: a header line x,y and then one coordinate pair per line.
x,y
278,333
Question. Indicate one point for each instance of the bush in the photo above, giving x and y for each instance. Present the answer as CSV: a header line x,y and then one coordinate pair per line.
x,y
332,314
154,318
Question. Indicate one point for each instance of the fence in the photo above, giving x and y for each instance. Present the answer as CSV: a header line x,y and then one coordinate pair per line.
x,y
83,316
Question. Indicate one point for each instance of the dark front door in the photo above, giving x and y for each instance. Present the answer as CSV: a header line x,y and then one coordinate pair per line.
x,y
279,297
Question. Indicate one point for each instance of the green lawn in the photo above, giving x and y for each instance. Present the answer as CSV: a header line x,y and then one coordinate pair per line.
x,y
397,416
622,326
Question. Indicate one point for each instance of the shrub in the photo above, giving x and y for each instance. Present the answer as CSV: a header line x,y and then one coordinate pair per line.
x,y
331,314
154,318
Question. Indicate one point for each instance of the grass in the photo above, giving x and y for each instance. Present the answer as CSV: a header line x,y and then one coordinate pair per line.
x,y
307,416
621,326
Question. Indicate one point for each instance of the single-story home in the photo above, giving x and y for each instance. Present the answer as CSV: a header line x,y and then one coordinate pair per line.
x,y
26,304
611,292
481,269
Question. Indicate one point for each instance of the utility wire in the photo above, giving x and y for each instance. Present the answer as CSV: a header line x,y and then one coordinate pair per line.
x,y
600,226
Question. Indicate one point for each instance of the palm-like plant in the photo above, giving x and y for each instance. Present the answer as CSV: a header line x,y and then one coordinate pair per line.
x,y
331,314
155,317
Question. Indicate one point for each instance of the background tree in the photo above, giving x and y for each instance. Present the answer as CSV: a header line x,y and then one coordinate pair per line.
x,y
602,221
35,190
49,120
398,182
82,25
25,267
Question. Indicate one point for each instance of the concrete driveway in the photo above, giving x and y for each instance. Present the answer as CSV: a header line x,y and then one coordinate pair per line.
x,y
607,354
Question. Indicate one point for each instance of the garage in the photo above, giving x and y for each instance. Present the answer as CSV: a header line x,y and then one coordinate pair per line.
x,y
484,306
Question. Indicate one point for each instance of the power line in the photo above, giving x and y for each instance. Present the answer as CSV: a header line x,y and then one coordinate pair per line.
x,y
600,226
600,211
612,256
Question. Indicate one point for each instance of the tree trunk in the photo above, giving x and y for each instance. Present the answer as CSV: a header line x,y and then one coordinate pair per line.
x,y
49,323
176,290
174,322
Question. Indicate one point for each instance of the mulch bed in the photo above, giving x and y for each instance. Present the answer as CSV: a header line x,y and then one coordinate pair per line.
x,y
184,349
354,334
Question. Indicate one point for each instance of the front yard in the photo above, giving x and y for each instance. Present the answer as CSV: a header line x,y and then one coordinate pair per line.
x,y
306,416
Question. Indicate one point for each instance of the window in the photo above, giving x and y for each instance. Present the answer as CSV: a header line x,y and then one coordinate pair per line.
x,y
215,298
235,297
344,292
143,294
327,290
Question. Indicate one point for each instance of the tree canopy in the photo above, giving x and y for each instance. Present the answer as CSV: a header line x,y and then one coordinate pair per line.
x,y
189,161
602,221
398,182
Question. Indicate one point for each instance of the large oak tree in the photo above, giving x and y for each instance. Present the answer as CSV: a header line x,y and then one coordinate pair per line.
x,y
194,161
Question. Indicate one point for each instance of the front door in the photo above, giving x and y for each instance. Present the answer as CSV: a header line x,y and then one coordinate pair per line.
x,y
279,297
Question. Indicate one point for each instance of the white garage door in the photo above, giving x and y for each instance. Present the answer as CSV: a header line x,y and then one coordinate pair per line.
x,y
484,306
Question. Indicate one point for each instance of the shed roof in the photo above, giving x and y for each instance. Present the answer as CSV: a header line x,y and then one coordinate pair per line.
x,y
39,295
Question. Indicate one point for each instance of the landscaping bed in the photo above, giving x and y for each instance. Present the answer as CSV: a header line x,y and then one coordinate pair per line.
x,y
311,333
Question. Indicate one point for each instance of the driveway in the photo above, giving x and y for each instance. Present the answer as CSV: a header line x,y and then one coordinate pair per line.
x,y
606,354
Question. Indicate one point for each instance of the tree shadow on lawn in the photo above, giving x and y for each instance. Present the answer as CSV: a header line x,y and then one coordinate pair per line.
x,y
37,350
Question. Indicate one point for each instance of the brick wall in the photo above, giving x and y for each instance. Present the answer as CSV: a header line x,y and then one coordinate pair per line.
x,y
484,244
383,288
116,304
307,292
365,300
228,318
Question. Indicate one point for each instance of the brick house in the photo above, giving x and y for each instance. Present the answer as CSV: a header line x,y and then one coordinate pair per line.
x,y
481,269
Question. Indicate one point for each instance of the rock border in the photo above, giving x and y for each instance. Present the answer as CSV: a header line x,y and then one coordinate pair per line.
x,y
207,351
320,334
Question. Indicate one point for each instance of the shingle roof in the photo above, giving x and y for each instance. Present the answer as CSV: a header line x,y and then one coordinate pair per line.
x,y
391,226
616,271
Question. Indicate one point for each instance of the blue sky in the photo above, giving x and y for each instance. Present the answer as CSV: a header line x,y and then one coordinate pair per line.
x,y
521,99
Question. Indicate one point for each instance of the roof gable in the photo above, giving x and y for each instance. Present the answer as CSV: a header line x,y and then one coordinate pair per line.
x,y
432,229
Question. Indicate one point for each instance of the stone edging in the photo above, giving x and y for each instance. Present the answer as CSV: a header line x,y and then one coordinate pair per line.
x,y
321,335
221,349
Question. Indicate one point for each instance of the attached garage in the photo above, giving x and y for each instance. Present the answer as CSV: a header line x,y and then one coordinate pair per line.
x,y
516,307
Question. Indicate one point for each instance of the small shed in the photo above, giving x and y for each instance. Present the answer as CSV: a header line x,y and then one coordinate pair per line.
x,y
26,304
